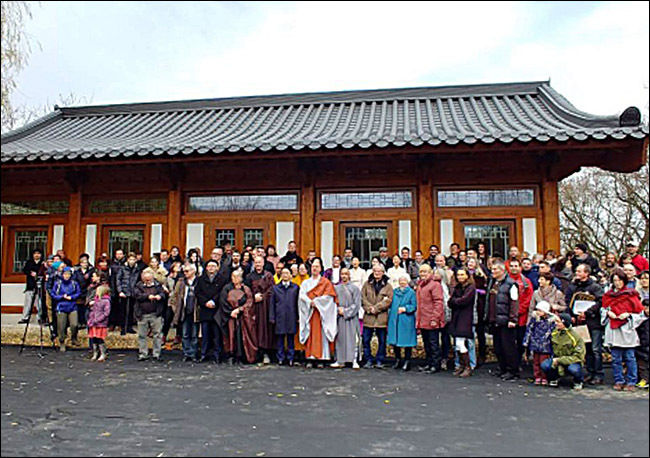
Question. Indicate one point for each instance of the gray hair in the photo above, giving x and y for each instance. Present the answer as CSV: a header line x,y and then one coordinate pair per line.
x,y
381,266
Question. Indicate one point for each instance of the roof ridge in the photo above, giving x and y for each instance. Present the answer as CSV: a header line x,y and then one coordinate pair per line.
x,y
348,96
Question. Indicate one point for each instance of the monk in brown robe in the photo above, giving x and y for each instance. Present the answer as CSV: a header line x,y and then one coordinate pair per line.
x,y
236,317
261,283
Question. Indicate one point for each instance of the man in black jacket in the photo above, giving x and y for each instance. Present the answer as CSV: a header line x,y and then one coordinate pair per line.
x,y
581,256
208,289
31,270
584,288
503,314
150,299
127,277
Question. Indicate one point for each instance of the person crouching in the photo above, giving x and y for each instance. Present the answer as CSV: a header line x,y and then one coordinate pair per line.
x,y
568,353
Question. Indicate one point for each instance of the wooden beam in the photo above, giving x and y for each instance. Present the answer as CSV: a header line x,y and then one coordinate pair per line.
x,y
425,230
307,217
72,235
174,210
551,215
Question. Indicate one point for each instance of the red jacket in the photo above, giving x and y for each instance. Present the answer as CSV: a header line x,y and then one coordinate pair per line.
x,y
430,313
640,263
525,297
624,301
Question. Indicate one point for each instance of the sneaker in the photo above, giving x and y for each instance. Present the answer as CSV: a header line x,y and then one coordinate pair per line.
x,y
368,365
643,384
142,358
309,365
424,368
544,382
443,365
337,365
538,381
553,384
355,365
577,386
24,321
266,361
379,365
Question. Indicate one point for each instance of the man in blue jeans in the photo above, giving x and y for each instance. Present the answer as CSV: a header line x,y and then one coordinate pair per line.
x,y
568,354
376,297
184,304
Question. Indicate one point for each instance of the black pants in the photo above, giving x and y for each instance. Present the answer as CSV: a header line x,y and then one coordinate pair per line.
x,y
482,341
168,318
431,339
408,351
211,340
521,333
505,348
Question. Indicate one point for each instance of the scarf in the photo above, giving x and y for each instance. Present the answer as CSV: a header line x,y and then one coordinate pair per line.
x,y
623,301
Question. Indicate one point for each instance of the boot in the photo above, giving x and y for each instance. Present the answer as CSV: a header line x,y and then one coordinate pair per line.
x,y
467,371
95,352
398,363
102,351
461,365
407,365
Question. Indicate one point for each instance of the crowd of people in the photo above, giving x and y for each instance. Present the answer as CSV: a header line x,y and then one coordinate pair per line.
x,y
559,314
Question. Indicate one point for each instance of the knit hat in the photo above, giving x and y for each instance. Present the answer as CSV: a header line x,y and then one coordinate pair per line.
x,y
582,247
544,307
67,269
566,319
50,257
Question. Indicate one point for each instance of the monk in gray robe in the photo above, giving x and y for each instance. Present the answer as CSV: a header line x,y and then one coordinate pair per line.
x,y
349,332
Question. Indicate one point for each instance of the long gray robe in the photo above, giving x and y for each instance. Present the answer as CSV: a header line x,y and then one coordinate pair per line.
x,y
348,337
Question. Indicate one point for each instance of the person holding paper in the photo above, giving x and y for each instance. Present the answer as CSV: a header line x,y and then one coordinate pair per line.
x,y
584,288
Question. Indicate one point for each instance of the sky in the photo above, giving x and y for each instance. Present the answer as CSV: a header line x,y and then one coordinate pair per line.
x,y
594,53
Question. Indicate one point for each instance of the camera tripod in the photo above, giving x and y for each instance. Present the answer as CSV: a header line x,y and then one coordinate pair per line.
x,y
41,311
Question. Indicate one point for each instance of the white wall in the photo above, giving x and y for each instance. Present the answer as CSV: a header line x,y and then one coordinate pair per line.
x,y
194,237
446,235
91,241
57,242
156,238
529,226
327,242
404,235
283,235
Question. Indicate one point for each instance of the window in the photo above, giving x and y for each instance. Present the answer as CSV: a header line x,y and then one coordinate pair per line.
x,y
40,207
242,202
224,236
24,243
487,198
158,205
366,241
496,237
353,200
253,237
126,240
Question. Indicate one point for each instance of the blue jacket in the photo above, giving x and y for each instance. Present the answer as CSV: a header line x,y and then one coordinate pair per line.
x,y
538,335
401,328
284,308
62,288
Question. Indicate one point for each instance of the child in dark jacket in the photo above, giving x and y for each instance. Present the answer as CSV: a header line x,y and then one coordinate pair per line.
x,y
538,339
100,309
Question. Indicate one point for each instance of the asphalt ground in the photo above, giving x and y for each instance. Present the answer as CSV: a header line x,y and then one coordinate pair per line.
x,y
66,405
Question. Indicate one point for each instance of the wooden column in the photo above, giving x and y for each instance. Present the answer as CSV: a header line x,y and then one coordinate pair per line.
x,y
307,218
174,209
551,215
425,206
73,235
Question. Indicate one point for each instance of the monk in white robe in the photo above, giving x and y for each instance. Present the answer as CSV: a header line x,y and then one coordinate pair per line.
x,y
317,306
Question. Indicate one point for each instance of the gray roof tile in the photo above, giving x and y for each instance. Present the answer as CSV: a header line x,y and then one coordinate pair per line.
x,y
451,115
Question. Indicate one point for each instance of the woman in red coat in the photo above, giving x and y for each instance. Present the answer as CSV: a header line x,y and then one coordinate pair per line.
x,y
430,317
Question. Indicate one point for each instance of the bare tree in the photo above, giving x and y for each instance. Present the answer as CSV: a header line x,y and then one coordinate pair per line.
x,y
16,49
605,209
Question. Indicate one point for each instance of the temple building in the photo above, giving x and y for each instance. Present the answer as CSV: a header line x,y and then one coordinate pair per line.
x,y
389,167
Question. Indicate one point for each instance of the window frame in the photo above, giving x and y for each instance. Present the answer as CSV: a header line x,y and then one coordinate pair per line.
x,y
534,188
9,248
280,192
411,190
87,201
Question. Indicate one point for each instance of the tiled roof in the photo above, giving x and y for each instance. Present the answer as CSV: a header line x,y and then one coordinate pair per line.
x,y
525,112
